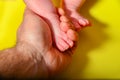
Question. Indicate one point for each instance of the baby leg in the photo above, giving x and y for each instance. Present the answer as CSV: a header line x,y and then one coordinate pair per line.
x,y
47,11
71,7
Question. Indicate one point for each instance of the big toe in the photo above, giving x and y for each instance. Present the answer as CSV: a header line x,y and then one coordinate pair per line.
x,y
62,45
61,11
83,22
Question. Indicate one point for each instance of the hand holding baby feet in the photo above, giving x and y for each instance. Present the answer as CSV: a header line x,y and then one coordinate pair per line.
x,y
47,11
35,41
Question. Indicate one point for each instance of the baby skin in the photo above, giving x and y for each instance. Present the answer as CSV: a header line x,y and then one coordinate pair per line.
x,y
48,12
34,55
71,7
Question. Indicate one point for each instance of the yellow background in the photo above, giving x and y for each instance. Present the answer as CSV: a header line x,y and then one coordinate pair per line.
x,y
98,52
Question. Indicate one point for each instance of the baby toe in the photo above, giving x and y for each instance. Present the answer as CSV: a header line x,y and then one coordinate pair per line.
x,y
64,19
82,22
62,45
72,35
88,22
68,41
64,26
61,11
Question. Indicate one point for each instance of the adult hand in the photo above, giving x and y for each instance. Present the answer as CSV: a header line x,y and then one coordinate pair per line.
x,y
34,54
35,31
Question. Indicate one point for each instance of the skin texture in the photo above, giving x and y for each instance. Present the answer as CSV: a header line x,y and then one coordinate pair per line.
x,y
37,54
46,10
34,55
71,7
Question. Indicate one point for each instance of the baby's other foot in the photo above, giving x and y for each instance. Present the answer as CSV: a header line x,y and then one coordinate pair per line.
x,y
78,20
71,10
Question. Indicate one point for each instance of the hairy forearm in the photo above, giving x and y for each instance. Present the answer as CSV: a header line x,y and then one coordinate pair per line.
x,y
22,61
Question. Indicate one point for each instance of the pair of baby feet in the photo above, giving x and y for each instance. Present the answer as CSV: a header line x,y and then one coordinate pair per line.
x,y
67,35
69,25
63,24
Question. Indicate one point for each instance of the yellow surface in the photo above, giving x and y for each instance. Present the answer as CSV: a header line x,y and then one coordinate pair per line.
x,y
98,52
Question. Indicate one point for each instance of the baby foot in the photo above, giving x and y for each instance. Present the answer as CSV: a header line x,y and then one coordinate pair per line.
x,y
66,38
77,19
68,29
71,6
